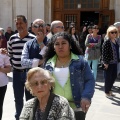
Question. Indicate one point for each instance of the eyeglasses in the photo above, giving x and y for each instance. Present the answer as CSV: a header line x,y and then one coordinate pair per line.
x,y
62,27
37,83
38,25
115,32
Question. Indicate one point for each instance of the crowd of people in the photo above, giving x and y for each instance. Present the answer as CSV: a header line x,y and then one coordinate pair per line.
x,y
56,69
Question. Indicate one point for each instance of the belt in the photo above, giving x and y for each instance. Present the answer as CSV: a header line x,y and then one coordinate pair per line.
x,y
20,70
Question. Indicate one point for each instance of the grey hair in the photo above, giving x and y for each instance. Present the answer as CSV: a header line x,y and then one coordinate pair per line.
x,y
54,23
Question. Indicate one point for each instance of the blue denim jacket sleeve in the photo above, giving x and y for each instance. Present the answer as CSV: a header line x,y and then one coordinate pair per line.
x,y
89,82
82,80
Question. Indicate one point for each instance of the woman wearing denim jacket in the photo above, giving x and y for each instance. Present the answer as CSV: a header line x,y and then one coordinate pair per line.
x,y
74,79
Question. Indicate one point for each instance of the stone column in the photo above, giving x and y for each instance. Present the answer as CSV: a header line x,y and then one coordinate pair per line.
x,y
117,10
5,13
37,9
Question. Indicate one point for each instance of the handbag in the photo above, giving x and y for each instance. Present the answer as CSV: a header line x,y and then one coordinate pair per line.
x,y
79,114
94,53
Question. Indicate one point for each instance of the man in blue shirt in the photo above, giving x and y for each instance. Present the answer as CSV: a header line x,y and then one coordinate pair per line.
x,y
34,49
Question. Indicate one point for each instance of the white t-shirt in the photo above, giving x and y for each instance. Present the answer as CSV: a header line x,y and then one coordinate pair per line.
x,y
61,75
4,61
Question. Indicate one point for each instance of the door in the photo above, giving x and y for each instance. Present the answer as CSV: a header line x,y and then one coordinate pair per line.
x,y
106,17
71,18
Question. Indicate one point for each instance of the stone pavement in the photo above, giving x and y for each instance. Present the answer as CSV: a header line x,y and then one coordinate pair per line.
x,y
101,108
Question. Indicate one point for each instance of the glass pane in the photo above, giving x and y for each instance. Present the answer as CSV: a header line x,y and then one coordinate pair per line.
x,y
90,5
90,1
72,1
83,6
96,0
66,6
83,1
71,6
66,1
78,1
96,6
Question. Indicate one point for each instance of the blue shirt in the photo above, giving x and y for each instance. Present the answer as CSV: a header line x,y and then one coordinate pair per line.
x,y
30,51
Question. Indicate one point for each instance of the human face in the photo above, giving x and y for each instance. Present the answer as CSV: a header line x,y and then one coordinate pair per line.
x,y
95,29
89,30
9,30
113,34
40,85
39,26
62,47
58,28
21,25
73,30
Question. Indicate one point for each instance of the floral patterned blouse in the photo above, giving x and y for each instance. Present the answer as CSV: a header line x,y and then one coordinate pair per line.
x,y
60,110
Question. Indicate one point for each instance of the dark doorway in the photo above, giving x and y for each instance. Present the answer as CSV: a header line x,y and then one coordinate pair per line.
x,y
89,18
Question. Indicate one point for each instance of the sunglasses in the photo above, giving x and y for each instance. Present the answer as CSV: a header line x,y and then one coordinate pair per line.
x,y
114,32
96,28
41,82
38,25
62,27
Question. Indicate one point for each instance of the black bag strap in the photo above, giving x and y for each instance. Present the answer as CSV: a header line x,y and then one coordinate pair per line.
x,y
49,104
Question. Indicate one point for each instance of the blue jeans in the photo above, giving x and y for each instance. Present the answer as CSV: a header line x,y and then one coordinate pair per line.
x,y
18,87
94,67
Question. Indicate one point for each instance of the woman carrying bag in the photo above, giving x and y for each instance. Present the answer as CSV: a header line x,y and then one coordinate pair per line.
x,y
92,52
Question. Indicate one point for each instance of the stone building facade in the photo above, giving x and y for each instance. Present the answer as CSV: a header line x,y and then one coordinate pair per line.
x,y
33,9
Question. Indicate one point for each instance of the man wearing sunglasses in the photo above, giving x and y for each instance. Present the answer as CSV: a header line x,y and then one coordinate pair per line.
x,y
34,49
56,26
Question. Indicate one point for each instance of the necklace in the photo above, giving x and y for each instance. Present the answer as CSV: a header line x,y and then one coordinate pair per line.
x,y
65,64
43,109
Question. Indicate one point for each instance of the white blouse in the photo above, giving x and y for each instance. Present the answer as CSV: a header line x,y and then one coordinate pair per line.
x,y
61,75
4,61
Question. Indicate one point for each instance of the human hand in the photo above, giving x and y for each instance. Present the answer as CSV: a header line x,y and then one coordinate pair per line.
x,y
3,51
40,62
85,104
84,29
106,66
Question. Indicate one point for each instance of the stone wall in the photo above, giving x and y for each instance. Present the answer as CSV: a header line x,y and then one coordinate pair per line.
x,y
33,9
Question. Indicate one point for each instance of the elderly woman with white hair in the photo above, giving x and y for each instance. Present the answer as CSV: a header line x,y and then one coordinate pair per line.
x,y
110,58
46,105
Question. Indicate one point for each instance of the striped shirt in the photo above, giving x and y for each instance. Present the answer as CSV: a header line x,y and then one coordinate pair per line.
x,y
15,47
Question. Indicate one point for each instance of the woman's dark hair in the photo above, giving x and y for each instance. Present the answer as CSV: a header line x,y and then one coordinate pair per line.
x,y
70,31
74,46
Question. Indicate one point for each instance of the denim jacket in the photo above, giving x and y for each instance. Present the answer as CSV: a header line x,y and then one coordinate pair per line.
x,y
81,78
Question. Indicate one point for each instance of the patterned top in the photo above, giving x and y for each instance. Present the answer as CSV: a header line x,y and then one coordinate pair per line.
x,y
110,52
60,110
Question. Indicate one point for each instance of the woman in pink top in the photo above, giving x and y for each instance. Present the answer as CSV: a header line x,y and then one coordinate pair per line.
x,y
4,69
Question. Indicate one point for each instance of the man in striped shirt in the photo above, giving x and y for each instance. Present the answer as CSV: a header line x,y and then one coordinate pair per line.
x,y
15,47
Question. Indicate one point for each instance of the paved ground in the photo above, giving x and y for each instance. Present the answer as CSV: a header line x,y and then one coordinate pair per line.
x,y
101,108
